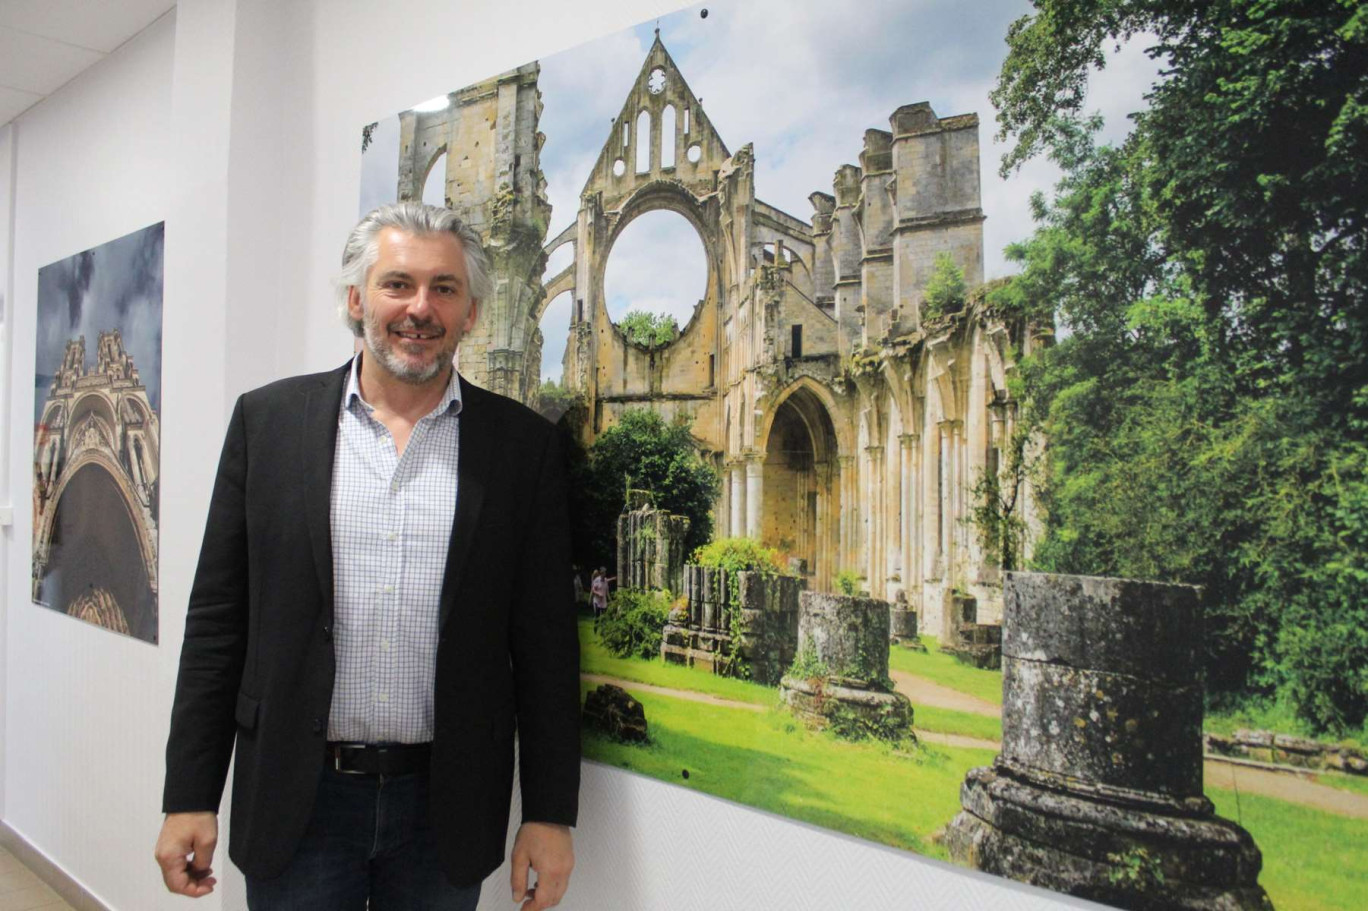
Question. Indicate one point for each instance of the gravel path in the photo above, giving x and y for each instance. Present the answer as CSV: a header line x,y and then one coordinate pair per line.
x,y
926,692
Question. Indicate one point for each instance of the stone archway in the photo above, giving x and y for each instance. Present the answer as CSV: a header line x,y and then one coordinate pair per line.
x,y
96,564
801,490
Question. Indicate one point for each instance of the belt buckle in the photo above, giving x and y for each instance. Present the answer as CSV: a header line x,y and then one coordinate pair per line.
x,y
337,758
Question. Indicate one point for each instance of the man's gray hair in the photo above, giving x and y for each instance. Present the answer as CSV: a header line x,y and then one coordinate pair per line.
x,y
363,248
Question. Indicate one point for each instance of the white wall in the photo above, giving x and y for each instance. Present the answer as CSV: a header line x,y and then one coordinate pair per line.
x,y
237,121
82,706
6,317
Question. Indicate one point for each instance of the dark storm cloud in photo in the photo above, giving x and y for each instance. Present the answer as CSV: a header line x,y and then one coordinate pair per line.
x,y
117,285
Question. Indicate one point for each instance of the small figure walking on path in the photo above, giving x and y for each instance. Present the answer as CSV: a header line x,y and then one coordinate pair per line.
x,y
598,590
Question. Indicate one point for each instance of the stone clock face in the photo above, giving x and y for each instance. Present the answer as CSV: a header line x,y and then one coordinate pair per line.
x,y
656,82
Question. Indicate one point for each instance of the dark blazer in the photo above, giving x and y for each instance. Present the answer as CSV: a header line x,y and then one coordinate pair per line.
x,y
257,664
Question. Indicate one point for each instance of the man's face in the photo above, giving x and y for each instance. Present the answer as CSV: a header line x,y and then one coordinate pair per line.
x,y
417,304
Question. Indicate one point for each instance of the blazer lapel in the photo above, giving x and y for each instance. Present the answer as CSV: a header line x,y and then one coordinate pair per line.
x,y
472,473
321,405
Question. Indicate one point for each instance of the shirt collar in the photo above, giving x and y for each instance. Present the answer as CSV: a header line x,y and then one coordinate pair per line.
x,y
450,401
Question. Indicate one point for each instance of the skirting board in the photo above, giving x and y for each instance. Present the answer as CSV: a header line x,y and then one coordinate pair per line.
x,y
72,892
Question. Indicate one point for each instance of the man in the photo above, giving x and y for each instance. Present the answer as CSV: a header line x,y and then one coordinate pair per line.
x,y
382,596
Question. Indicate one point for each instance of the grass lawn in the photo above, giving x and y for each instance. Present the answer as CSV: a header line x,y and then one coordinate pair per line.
x,y
768,760
772,762
595,659
948,721
1312,861
945,670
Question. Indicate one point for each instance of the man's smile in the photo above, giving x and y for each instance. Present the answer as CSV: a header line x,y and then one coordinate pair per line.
x,y
419,335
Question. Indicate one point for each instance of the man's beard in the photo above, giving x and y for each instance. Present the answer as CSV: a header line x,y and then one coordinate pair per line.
x,y
379,346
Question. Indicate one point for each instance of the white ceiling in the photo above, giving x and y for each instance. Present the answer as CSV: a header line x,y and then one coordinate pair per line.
x,y
45,43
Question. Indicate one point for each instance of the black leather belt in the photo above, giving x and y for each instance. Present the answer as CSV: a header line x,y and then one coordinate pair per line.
x,y
379,759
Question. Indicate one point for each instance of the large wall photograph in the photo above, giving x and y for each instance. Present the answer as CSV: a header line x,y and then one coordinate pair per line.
x,y
967,419
97,434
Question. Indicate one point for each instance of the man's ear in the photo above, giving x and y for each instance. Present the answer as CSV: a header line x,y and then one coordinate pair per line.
x,y
472,316
354,308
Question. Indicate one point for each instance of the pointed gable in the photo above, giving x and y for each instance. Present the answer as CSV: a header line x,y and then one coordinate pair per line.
x,y
661,133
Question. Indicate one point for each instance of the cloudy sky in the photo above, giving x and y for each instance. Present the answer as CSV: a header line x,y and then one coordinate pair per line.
x,y
117,285
801,80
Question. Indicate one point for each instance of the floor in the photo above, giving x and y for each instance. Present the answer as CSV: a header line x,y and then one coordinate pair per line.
x,y
21,890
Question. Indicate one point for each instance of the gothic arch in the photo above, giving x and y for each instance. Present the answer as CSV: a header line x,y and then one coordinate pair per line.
x,y
98,405
845,444
147,545
427,167
802,481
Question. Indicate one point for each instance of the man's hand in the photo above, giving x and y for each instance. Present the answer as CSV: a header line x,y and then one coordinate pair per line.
x,y
547,849
185,850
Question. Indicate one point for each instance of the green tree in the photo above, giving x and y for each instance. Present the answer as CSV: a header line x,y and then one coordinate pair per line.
x,y
648,452
1207,409
650,330
554,401
945,289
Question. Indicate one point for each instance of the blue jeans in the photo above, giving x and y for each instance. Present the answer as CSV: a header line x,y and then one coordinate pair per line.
x,y
369,841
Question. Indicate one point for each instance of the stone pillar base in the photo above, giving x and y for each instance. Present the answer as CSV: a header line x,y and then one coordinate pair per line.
x,y
1121,854
849,707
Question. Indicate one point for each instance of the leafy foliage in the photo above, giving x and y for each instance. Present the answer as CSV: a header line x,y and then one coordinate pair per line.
x,y
631,626
806,665
1207,410
654,455
649,330
847,582
738,555
889,723
945,289
554,401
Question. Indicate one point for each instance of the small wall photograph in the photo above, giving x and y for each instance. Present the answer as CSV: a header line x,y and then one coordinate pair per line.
x,y
967,410
97,434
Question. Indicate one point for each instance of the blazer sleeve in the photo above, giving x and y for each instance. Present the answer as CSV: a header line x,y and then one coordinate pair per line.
x,y
544,646
200,744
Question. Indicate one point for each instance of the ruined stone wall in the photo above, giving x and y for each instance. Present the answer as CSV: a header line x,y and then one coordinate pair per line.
x,y
900,425
741,624
651,550
489,135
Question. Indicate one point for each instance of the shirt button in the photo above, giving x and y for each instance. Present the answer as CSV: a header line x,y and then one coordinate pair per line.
x,y
384,645
389,589
383,697
394,487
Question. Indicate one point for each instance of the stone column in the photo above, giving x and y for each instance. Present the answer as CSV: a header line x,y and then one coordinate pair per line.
x,y
849,633
846,555
755,479
911,571
876,570
849,636
1098,789
737,524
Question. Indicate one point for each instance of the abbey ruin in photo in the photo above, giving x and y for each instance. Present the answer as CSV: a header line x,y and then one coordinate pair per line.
x,y
849,431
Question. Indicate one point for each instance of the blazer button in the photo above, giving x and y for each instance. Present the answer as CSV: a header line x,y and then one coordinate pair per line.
x,y
318,725
327,634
